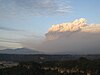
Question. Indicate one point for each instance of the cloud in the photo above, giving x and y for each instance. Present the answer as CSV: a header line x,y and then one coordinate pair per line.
x,y
8,29
65,29
9,40
12,38
75,37
35,7
10,45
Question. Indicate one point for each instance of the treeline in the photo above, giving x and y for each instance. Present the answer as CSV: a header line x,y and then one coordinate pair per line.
x,y
81,66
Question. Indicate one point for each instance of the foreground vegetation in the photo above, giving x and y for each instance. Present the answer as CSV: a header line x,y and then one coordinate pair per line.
x,y
81,66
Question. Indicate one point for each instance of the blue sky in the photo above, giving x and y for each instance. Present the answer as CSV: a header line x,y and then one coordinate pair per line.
x,y
25,18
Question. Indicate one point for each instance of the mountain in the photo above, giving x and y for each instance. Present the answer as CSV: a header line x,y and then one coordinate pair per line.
x,y
19,51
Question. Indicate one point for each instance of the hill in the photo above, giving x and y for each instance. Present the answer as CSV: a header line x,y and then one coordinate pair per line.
x,y
19,51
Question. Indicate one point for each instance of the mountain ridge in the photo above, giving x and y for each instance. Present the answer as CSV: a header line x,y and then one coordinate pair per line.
x,y
20,51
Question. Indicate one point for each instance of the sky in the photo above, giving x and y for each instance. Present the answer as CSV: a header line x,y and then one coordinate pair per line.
x,y
24,22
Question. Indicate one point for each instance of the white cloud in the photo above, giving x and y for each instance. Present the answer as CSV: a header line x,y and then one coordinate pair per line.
x,y
65,29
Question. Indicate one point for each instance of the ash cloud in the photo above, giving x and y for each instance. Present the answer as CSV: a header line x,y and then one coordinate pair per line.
x,y
65,29
75,37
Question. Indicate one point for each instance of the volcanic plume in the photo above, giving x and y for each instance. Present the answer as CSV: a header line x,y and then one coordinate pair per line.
x,y
66,29
76,37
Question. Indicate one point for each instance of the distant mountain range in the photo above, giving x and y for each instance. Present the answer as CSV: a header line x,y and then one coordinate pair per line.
x,y
25,54
20,51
